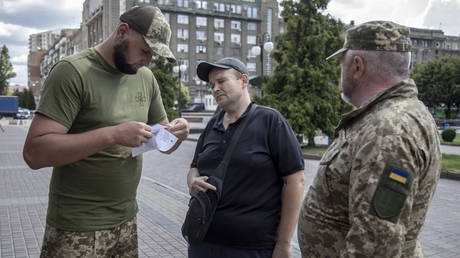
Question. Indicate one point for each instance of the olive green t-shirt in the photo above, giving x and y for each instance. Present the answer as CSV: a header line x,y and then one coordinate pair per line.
x,y
83,93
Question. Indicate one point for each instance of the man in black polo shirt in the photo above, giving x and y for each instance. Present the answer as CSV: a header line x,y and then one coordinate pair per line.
x,y
255,217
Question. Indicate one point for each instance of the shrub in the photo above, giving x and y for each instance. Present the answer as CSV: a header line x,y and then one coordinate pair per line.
x,y
448,135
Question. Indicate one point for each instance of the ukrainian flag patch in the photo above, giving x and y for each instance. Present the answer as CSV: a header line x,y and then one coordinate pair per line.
x,y
398,176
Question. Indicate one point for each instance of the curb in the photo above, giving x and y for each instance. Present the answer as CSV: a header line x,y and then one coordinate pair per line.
x,y
312,156
450,175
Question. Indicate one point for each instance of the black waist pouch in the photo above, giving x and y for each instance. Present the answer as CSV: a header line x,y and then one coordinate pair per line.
x,y
201,211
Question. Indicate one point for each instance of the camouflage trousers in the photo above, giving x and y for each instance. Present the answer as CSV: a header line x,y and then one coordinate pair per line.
x,y
120,241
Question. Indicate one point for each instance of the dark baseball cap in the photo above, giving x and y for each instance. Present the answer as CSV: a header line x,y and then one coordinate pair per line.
x,y
204,68
148,21
376,36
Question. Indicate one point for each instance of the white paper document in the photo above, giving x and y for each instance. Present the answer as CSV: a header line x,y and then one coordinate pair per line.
x,y
161,140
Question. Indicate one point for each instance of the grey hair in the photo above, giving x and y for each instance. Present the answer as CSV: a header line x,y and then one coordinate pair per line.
x,y
386,63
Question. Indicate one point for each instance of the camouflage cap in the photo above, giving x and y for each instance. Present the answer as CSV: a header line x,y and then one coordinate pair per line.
x,y
152,25
376,36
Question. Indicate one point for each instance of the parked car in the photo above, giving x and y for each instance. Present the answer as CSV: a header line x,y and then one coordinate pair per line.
x,y
194,107
23,114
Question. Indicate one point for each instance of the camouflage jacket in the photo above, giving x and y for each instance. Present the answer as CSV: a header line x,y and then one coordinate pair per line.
x,y
375,182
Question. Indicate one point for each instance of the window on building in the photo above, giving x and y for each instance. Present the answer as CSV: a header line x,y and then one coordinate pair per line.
x,y
164,2
201,4
182,33
250,53
251,67
200,49
122,6
182,19
201,21
201,35
182,48
235,38
236,25
252,26
233,7
219,23
182,3
252,39
219,37
252,12
221,7
269,20
166,16
219,50
238,9
140,2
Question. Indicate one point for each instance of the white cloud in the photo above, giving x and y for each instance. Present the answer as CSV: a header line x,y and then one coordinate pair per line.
x,y
15,33
19,60
413,13
21,75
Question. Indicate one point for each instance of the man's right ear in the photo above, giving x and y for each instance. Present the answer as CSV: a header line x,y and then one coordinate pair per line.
x,y
122,30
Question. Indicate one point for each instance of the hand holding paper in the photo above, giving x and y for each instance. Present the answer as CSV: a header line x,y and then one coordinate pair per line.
x,y
161,140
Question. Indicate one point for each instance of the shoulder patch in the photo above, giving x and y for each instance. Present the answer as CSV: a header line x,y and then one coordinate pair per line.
x,y
391,193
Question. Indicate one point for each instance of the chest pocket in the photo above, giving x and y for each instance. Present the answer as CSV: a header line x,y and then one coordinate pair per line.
x,y
332,169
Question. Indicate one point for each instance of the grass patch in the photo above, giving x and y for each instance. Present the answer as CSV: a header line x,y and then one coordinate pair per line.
x,y
451,162
456,141
318,150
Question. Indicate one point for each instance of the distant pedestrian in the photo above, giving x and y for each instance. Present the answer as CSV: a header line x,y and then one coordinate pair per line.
x,y
1,126
95,106
264,182
375,182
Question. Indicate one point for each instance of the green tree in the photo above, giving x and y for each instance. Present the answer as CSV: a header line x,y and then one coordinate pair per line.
x,y
304,85
169,84
438,82
25,98
6,70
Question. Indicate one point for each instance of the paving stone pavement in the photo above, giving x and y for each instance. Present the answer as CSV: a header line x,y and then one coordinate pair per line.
x,y
162,204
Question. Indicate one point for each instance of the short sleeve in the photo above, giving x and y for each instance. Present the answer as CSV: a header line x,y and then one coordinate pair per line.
x,y
157,111
284,147
62,94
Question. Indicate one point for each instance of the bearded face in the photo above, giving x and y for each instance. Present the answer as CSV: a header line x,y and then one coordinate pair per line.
x,y
120,58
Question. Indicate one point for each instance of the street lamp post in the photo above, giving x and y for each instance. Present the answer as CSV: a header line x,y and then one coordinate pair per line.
x,y
179,69
264,43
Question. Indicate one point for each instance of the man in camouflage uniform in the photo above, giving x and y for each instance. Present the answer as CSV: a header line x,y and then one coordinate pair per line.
x,y
97,105
374,183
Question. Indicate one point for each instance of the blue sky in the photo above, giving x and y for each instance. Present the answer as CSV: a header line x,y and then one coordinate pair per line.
x,y
20,18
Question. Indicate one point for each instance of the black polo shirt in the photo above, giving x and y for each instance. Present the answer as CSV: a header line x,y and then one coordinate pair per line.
x,y
249,212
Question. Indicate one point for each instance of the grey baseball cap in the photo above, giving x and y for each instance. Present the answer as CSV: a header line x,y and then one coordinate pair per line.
x,y
204,68
376,36
148,21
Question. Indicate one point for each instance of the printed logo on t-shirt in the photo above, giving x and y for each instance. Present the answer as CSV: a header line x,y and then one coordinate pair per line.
x,y
140,98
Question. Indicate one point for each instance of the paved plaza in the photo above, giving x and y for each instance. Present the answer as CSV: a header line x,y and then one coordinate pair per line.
x,y
162,198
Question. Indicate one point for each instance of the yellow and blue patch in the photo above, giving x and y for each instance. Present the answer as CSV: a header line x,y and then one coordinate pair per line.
x,y
398,175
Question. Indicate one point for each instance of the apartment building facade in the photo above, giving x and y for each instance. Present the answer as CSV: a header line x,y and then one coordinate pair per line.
x,y
202,30
430,44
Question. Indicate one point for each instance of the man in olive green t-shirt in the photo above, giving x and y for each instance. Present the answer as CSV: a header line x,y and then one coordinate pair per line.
x,y
95,106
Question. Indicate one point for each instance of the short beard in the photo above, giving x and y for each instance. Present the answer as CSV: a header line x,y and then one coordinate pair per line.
x,y
119,58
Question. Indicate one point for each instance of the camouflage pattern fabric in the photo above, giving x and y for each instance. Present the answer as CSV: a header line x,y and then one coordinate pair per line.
x,y
375,182
150,22
117,242
376,36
